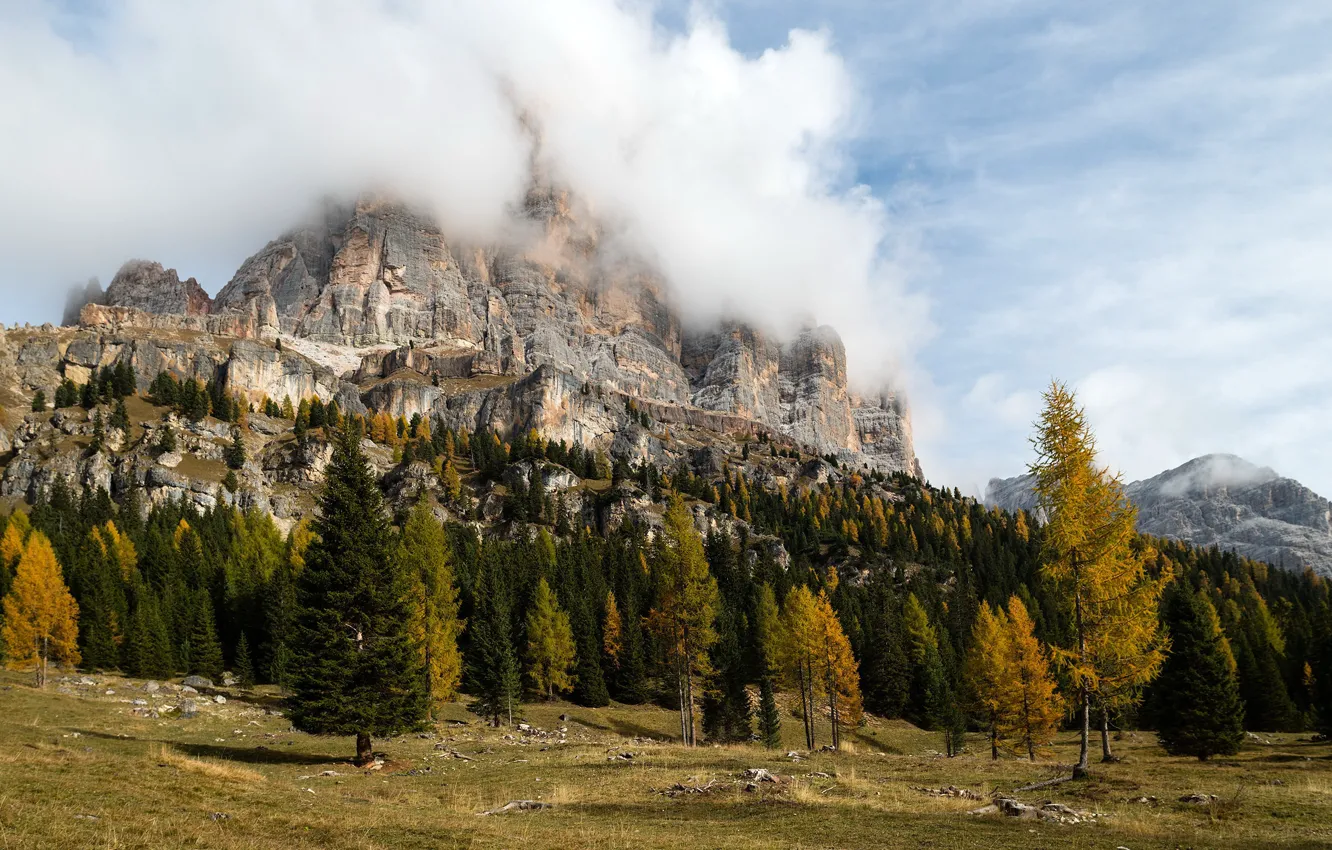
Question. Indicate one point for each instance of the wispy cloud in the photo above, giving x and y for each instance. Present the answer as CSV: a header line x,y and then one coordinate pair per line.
x,y
1134,197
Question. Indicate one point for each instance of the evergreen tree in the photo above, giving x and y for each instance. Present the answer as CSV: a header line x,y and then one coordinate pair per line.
x,y
167,442
235,453
589,682
244,664
357,670
205,649
493,665
40,615
1197,699
770,720
39,401
120,417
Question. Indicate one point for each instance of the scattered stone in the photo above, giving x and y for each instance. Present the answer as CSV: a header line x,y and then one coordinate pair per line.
x,y
139,702
110,692
758,774
220,700
186,689
88,817
518,806
228,681
152,687
1048,811
219,816
1148,801
946,791
196,682
189,708
1198,799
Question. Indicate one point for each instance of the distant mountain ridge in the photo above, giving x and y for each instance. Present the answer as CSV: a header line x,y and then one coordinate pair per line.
x,y
1219,500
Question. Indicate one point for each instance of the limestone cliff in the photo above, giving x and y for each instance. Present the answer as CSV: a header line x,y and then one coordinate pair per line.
x,y
375,305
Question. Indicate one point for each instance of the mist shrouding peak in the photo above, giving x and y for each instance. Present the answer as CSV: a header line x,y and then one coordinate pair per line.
x,y
194,133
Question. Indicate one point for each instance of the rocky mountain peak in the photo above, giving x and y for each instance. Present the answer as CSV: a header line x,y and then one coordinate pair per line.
x,y
145,285
384,309
1219,500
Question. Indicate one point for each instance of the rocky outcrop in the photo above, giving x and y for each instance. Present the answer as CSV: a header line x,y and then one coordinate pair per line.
x,y
1224,501
146,286
374,305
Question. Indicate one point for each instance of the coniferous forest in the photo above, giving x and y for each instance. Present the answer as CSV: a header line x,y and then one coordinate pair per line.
x,y
870,594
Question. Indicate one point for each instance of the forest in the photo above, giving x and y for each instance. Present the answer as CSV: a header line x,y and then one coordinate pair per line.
x,y
864,593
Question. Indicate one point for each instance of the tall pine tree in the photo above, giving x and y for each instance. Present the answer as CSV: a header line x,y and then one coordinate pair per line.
x,y
358,672
1196,699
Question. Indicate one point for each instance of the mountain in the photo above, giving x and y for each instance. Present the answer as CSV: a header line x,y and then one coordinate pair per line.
x,y
1220,500
374,306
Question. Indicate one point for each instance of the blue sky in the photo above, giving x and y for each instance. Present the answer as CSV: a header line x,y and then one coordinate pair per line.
x,y
1134,197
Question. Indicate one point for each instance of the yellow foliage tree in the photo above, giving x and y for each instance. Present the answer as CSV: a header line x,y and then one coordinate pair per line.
x,y
432,603
987,657
837,668
800,652
686,610
1029,707
612,631
550,644
41,617
15,536
1091,562
116,547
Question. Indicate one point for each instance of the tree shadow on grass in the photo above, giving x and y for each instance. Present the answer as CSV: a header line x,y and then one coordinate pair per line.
x,y
629,729
261,754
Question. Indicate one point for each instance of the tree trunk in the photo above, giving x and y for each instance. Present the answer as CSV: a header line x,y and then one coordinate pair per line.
x,y
1106,755
363,753
994,739
1080,770
41,668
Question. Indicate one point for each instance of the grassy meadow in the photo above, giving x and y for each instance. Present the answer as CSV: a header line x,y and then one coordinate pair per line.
x,y
83,768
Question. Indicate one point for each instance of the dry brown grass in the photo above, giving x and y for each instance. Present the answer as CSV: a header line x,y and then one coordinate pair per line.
x,y
165,756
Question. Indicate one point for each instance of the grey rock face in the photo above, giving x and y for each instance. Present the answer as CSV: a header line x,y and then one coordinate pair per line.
x,y
1224,501
375,306
147,286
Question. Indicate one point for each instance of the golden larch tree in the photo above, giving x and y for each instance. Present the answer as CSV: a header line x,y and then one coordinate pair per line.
x,y
612,631
432,603
1029,706
1091,562
800,643
838,670
986,669
684,617
550,643
41,617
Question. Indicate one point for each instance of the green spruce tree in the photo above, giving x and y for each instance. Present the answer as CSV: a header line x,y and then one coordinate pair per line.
x,y
205,650
1196,700
357,669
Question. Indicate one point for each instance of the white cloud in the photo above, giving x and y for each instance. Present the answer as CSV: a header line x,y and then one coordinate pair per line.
x,y
192,133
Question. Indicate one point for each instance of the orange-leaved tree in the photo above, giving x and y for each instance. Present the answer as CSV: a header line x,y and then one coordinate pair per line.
x,y
1030,707
1091,561
986,669
837,668
41,617
800,650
